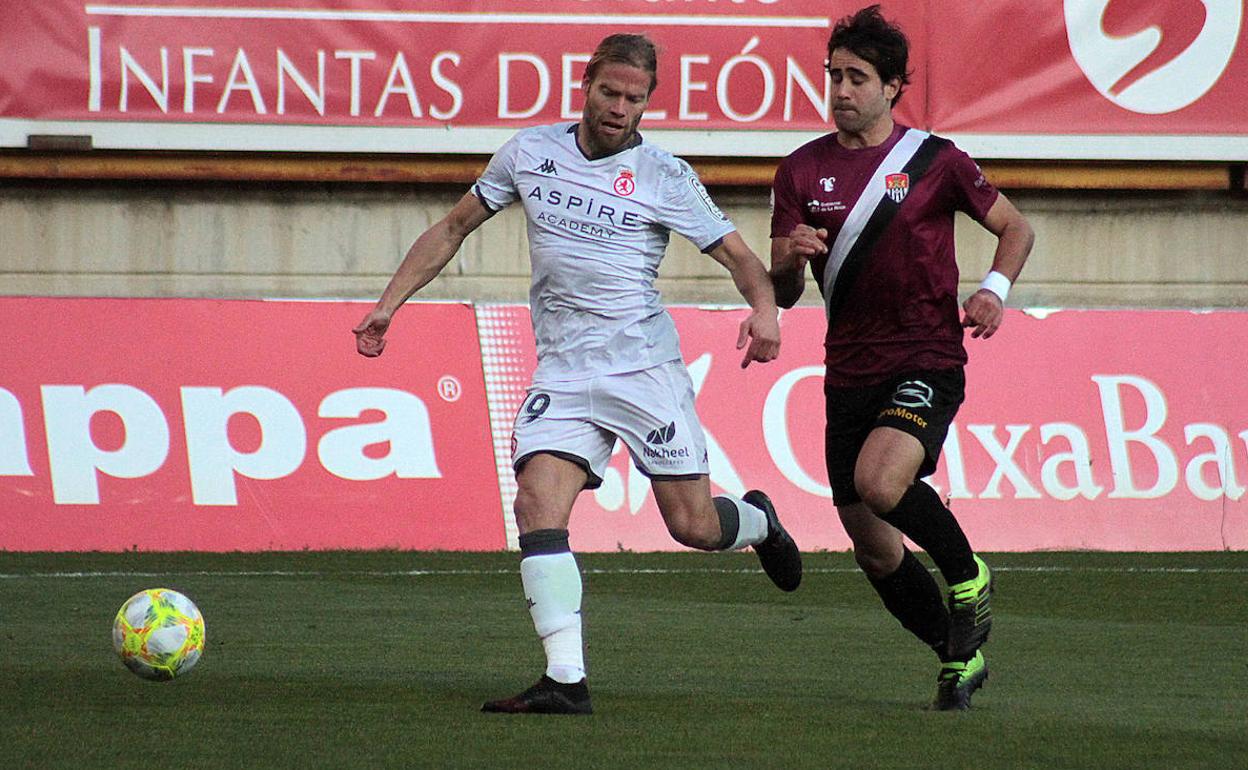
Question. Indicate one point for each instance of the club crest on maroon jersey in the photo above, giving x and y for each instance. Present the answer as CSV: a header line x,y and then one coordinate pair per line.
x,y
897,185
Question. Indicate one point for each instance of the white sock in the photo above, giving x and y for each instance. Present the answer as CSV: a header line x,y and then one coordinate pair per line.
x,y
752,523
552,584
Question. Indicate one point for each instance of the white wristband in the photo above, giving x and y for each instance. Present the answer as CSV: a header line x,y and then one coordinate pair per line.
x,y
997,284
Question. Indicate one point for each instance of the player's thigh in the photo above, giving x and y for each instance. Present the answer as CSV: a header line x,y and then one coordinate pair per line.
x,y
912,420
887,465
555,419
850,414
878,546
652,412
547,486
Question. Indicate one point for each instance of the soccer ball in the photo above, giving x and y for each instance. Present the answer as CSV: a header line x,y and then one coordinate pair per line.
x,y
159,634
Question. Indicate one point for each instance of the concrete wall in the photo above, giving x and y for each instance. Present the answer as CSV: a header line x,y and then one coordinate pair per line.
x,y
1172,249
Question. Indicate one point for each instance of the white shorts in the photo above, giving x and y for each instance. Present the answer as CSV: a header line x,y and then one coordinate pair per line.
x,y
651,411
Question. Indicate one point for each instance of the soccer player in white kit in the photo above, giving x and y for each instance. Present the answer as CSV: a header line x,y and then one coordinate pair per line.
x,y
600,203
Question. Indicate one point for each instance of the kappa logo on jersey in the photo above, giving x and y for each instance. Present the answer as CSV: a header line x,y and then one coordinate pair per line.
x,y
624,183
897,185
548,167
828,182
913,393
662,435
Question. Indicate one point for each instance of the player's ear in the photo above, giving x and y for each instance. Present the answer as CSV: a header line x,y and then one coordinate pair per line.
x,y
891,88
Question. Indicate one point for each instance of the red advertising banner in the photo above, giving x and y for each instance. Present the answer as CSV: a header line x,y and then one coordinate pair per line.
x,y
157,424
188,71
244,425
1081,75
1079,79
1080,431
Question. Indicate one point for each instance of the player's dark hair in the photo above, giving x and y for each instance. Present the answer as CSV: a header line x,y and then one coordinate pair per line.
x,y
623,48
867,35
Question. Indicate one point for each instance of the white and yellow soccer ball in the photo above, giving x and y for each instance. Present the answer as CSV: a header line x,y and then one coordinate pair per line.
x,y
159,634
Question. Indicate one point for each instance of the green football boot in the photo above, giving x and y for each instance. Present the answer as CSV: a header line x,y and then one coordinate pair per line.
x,y
970,614
958,681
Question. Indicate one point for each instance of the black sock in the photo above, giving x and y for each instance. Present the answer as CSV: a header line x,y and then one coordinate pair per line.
x,y
924,519
912,596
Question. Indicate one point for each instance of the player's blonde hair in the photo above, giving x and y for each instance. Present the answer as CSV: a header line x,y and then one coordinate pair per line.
x,y
624,48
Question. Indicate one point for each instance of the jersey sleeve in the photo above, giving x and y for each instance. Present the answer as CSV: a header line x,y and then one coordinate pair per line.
x,y
686,207
496,187
786,210
971,190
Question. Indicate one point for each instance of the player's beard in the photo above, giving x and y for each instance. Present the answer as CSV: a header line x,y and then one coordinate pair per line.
x,y
851,121
607,143
858,122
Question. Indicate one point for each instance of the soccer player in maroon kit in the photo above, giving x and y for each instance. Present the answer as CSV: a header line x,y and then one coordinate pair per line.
x,y
871,209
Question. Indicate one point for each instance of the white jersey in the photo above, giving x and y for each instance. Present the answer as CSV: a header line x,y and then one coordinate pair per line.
x,y
597,231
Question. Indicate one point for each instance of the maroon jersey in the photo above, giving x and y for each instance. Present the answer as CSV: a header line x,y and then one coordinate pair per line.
x,y
890,279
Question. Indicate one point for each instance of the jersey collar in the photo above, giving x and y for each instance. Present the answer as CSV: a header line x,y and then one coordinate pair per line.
x,y
637,140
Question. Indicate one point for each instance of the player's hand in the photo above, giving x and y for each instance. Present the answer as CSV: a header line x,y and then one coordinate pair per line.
x,y
806,242
370,335
761,333
984,313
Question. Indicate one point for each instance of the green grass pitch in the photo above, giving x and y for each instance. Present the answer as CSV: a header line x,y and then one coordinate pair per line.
x,y
368,660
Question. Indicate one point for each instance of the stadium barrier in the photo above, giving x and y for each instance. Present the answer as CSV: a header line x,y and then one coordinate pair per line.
x,y
172,424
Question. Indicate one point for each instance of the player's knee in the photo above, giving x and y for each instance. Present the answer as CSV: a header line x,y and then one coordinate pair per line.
x,y
533,511
879,492
875,562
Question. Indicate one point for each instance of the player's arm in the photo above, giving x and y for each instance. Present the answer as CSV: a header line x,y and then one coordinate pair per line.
x,y
424,260
761,330
788,261
985,309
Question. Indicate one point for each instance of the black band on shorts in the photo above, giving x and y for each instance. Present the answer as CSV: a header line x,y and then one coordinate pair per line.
x,y
670,477
593,482
544,541
715,244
